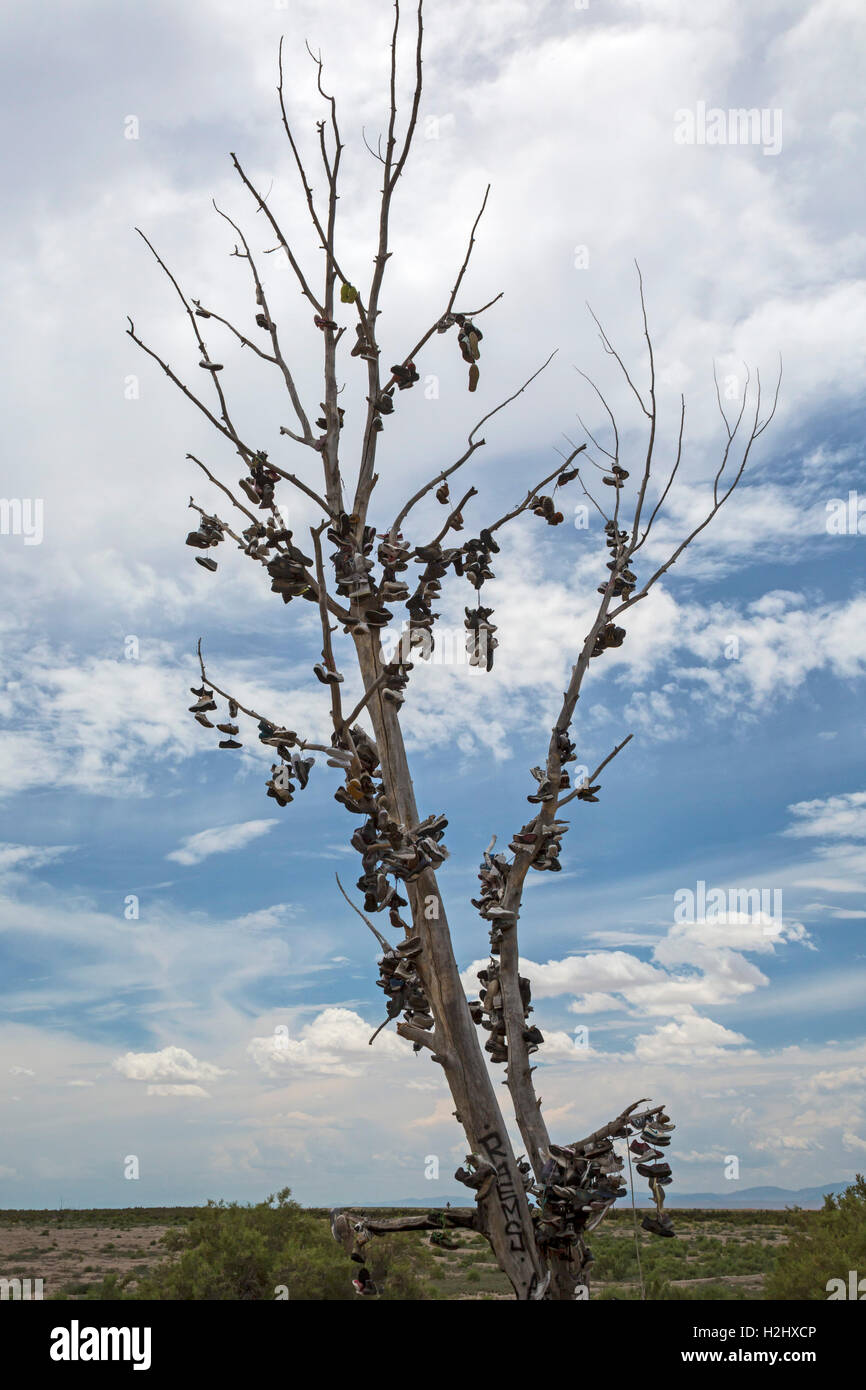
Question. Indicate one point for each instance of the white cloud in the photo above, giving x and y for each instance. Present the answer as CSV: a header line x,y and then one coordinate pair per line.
x,y
85,720
844,1078
562,1047
441,1114
710,942
775,1142
220,840
107,725
672,664
835,817
335,1043
843,914
691,1040
14,858
597,1002
164,1089
694,965
594,971
170,1066
279,915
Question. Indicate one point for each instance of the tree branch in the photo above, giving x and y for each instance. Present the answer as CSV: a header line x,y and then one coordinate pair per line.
x,y
519,1075
243,449
364,918
452,1218
263,207
229,427
614,1128
420,1036
252,714
391,174
365,699
598,771
410,357
533,492
327,645
473,445
278,357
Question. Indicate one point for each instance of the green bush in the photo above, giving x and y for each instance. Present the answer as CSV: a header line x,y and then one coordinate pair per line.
x,y
229,1252
400,1266
822,1246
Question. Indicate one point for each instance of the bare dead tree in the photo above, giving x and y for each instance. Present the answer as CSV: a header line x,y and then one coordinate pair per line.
x,y
534,1211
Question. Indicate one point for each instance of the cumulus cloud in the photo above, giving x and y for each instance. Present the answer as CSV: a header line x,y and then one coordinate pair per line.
x,y
171,1071
692,1039
335,1043
694,964
562,1047
693,967
710,943
676,663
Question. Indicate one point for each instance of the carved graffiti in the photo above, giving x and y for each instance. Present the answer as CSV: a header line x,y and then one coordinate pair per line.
x,y
496,1152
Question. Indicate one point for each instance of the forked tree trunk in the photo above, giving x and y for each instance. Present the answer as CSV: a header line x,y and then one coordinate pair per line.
x,y
503,1212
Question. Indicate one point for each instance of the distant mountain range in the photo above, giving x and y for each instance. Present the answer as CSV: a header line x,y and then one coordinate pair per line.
x,y
762,1198
756,1198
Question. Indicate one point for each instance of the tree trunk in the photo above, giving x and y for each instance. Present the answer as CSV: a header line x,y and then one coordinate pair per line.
x,y
504,1214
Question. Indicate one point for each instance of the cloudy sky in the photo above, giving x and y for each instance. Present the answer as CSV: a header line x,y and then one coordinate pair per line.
x,y
220,1035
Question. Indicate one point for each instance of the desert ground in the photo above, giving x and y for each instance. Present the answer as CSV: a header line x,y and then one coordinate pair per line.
x,y
716,1255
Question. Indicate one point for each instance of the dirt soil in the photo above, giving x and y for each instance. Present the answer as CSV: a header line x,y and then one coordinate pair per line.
x,y
67,1258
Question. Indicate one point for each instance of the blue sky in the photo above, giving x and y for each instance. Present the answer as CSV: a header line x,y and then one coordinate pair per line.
x,y
221,1036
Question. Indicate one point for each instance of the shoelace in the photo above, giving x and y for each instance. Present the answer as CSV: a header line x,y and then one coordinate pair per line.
x,y
634,1219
